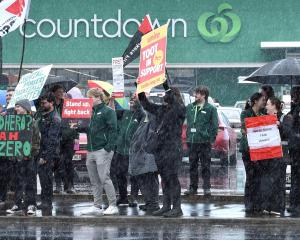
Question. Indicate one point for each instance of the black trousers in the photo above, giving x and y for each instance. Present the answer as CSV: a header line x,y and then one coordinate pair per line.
x,y
119,172
295,181
272,184
202,152
171,190
252,199
45,172
5,177
64,169
149,185
26,182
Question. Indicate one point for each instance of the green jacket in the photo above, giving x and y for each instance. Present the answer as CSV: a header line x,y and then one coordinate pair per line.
x,y
102,131
127,127
202,124
244,142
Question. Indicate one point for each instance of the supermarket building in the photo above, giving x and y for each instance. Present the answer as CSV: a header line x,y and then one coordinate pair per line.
x,y
210,42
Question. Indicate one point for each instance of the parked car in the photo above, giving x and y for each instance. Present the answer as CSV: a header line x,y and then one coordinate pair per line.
x,y
225,146
79,158
234,116
240,104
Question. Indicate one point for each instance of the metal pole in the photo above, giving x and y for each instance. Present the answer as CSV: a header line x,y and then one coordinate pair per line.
x,y
23,50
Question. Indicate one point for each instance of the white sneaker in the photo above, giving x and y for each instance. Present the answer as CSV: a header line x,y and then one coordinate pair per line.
x,y
92,211
31,210
111,210
14,209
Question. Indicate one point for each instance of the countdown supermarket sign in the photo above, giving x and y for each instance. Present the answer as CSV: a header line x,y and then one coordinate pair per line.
x,y
94,27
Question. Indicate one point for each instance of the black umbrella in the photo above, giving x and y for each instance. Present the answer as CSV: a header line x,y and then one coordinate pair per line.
x,y
284,71
67,84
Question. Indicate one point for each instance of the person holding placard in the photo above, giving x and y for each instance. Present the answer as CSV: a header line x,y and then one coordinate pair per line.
x,y
273,171
26,168
167,146
252,199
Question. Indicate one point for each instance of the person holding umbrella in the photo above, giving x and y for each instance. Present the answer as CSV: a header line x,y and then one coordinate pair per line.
x,y
291,127
252,199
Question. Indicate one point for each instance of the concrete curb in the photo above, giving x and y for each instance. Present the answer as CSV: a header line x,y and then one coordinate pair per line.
x,y
142,220
185,199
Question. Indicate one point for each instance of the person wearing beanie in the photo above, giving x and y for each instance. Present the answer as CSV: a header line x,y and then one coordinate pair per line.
x,y
26,168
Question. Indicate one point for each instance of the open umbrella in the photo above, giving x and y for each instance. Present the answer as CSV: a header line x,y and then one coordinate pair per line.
x,y
120,103
284,71
107,87
67,84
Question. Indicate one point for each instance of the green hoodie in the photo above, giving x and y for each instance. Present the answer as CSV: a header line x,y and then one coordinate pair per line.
x,y
202,124
127,127
102,131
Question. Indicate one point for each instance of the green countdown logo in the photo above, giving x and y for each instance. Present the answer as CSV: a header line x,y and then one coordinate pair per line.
x,y
216,27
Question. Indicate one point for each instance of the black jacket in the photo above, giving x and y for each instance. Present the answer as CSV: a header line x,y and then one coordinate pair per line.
x,y
50,128
170,118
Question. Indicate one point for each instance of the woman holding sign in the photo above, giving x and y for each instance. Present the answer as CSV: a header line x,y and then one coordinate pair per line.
x,y
252,200
170,117
273,171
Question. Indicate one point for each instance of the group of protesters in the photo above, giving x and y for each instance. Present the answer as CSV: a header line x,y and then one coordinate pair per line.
x,y
52,151
265,188
145,142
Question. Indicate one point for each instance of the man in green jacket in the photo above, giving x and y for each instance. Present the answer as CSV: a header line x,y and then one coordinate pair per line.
x,y
127,127
202,129
101,135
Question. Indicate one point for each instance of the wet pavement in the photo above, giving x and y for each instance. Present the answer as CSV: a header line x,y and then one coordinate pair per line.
x,y
154,232
224,179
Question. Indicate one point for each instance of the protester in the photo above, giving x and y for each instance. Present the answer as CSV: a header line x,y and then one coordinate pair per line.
x,y
291,128
7,178
26,168
252,197
168,146
64,170
101,136
127,127
50,127
273,171
202,129
142,165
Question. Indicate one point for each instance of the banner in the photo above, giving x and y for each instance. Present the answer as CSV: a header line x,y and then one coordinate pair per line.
x,y
133,50
12,15
153,59
263,137
118,77
30,86
77,108
15,135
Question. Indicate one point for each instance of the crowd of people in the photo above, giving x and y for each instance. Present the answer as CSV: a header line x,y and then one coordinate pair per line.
x,y
144,142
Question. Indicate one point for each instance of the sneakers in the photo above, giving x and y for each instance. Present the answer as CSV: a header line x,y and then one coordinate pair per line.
x,y
191,191
111,210
31,210
161,211
174,213
92,211
15,209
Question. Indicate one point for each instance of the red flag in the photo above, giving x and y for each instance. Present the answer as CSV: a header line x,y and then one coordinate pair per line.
x,y
133,50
